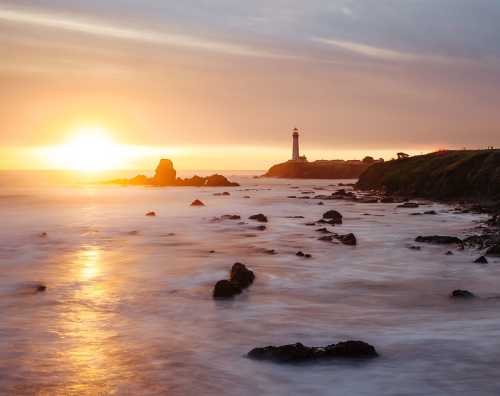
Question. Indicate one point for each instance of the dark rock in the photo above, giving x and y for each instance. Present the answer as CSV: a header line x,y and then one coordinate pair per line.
x,y
246,197
320,203
310,224
43,235
259,217
197,202
494,250
307,255
241,275
295,217
347,239
481,260
387,200
225,193
231,217
151,214
270,251
326,238
261,228
462,294
413,247
40,288
430,212
226,289
323,230
292,196
333,216
449,253
212,251
300,254
299,353
438,239
408,205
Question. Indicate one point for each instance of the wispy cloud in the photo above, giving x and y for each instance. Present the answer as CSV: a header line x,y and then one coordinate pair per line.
x,y
379,52
131,34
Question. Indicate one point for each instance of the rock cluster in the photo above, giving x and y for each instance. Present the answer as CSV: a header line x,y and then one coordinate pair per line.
x,y
240,277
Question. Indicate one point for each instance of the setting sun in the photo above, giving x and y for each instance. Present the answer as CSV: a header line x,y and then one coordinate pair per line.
x,y
88,149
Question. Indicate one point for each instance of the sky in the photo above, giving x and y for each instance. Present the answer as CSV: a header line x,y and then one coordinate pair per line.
x,y
220,84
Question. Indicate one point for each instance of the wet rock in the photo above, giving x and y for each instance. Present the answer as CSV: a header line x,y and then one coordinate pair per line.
x,y
270,251
333,217
261,228
310,224
211,251
323,230
413,247
326,238
347,239
438,239
197,202
241,275
300,254
40,288
231,217
462,294
449,253
430,212
320,203
226,289
368,200
295,217
494,250
481,260
151,214
387,200
246,197
307,255
259,217
299,353
43,235
292,196
408,205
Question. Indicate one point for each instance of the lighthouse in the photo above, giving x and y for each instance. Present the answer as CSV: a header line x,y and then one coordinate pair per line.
x,y
295,150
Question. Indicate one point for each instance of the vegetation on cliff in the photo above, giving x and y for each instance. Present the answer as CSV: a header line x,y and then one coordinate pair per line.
x,y
319,169
471,174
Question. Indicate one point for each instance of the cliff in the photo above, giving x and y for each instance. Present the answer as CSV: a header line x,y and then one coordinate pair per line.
x,y
443,175
318,170
165,175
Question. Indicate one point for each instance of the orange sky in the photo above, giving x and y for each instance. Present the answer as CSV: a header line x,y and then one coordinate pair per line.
x,y
221,87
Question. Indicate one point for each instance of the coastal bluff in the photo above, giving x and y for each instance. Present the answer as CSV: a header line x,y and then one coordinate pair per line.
x,y
166,175
323,169
442,175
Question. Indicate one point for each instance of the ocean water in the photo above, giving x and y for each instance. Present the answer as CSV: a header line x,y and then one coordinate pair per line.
x,y
128,307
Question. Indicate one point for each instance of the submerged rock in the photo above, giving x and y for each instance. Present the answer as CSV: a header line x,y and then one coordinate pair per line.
x,y
151,214
462,294
261,228
231,217
197,202
226,289
259,217
333,216
438,239
299,353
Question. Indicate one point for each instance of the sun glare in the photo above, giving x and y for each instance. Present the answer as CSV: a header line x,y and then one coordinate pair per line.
x,y
89,149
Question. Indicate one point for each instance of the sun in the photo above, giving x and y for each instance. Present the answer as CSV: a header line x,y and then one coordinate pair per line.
x,y
89,149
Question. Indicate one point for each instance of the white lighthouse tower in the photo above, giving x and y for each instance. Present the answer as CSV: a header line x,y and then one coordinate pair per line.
x,y
295,150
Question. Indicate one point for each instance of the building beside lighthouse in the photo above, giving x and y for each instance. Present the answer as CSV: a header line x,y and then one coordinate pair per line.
x,y
295,147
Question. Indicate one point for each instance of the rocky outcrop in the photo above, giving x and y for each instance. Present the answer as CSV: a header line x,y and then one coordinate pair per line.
x,y
318,170
443,175
299,353
240,277
259,217
165,175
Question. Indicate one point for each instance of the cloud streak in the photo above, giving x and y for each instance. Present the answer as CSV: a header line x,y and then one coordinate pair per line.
x,y
379,52
52,21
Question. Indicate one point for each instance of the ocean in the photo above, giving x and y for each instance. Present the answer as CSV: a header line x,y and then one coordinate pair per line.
x,y
128,308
